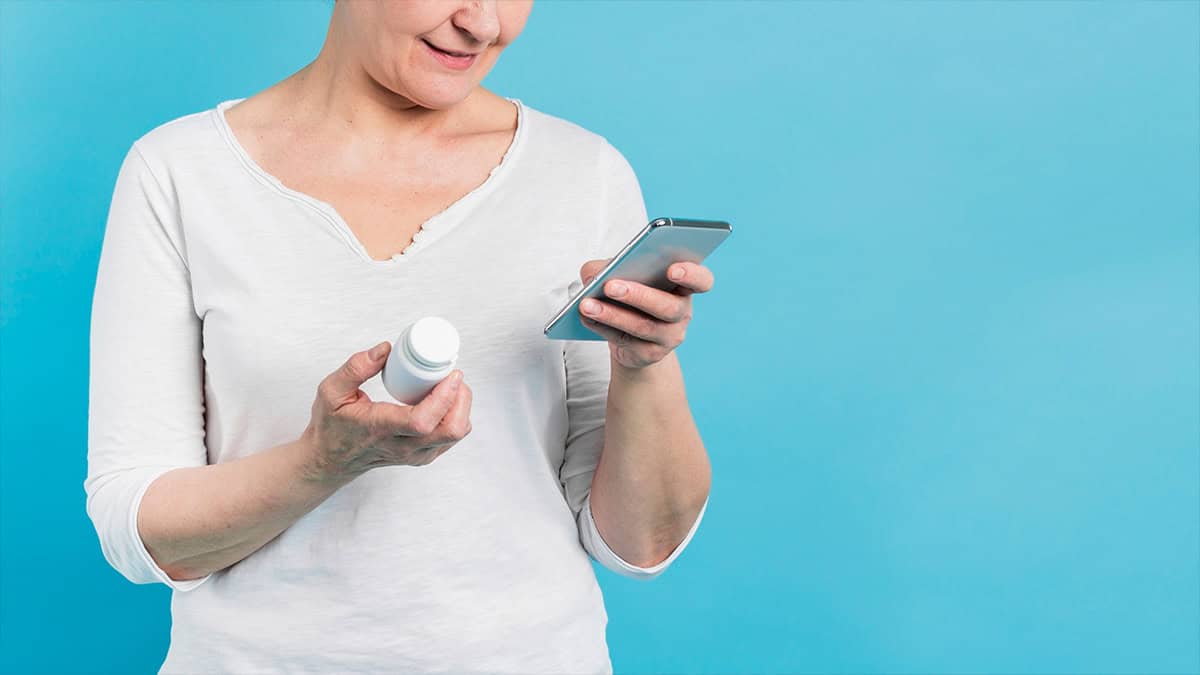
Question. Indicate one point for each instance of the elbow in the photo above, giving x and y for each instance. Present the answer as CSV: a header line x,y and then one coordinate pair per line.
x,y
664,548
174,570
107,498
180,573
113,501
673,533
653,551
649,561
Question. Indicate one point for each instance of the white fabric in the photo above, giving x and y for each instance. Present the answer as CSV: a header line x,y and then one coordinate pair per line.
x,y
223,298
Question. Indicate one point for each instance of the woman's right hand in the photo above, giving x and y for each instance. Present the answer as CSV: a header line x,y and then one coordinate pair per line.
x,y
349,434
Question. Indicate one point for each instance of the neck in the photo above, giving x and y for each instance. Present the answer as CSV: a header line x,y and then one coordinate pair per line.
x,y
336,91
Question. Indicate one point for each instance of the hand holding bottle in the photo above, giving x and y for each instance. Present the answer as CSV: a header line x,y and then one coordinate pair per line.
x,y
351,434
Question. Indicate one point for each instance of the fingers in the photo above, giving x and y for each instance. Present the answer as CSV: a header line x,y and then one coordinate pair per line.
x,y
691,277
669,307
342,384
614,335
633,322
420,419
591,268
457,423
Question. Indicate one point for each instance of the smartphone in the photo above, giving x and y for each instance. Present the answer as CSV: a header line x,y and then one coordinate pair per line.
x,y
645,259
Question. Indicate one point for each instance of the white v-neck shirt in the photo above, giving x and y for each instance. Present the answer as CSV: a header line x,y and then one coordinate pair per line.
x,y
223,298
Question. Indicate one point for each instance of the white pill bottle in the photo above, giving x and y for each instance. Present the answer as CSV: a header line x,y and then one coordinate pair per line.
x,y
423,355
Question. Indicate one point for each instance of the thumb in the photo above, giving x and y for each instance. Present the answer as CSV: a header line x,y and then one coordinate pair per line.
x,y
360,367
591,268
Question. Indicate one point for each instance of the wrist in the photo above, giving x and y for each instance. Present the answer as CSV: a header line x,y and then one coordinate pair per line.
x,y
320,467
666,367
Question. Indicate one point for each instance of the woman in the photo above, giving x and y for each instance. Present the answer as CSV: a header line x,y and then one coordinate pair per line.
x,y
251,247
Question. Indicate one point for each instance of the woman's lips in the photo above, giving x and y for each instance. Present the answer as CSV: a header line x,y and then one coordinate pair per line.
x,y
449,60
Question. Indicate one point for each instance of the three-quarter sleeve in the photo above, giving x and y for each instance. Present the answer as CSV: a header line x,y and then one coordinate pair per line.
x,y
588,374
146,387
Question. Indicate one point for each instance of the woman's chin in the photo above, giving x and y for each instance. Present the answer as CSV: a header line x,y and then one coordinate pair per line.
x,y
438,93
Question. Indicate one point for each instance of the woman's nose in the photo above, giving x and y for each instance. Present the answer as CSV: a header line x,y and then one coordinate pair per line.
x,y
480,19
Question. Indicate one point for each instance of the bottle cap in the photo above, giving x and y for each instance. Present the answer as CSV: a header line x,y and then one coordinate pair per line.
x,y
433,342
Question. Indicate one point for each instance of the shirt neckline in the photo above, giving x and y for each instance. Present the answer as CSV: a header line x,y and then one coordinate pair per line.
x,y
430,230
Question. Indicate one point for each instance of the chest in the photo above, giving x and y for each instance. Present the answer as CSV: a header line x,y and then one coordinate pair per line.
x,y
385,198
284,304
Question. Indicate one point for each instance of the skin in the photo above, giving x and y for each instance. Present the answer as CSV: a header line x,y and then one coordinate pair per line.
x,y
374,114
654,473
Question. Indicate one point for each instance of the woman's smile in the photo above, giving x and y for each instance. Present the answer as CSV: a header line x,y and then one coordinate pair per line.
x,y
448,59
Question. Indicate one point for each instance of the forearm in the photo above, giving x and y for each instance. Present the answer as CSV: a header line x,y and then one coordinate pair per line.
x,y
654,474
197,520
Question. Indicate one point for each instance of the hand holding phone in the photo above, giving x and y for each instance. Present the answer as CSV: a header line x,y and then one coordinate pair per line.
x,y
645,259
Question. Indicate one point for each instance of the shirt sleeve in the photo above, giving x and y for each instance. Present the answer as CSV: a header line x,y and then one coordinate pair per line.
x,y
588,375
146,388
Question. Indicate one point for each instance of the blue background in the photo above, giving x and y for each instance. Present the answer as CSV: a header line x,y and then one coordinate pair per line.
x,y
948,376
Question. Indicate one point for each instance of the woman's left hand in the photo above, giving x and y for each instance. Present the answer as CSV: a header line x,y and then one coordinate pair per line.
x,y
645,324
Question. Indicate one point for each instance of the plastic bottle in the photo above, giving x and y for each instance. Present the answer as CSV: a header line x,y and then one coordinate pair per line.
x,y
423,355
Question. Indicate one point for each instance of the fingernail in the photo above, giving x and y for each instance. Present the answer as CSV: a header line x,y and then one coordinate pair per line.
x,y
590,306
455,378
616,289
377,351
677,273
